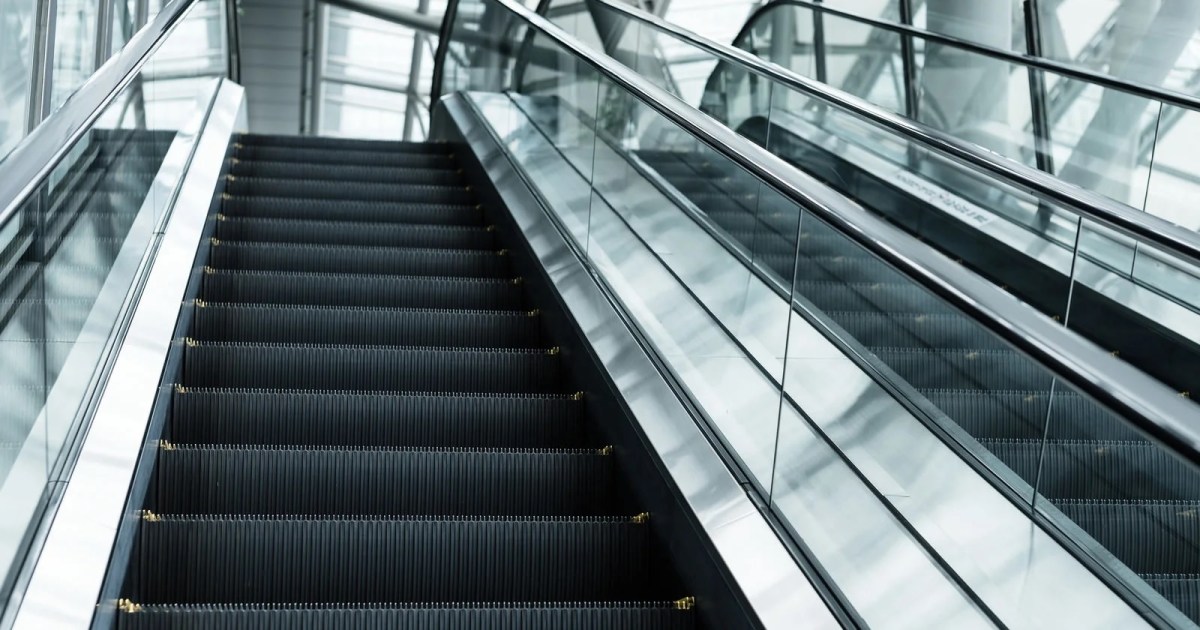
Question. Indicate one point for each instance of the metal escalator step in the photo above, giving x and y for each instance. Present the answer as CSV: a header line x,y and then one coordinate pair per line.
x,y
370,368
346,191
351,259
388,147
962,368
347,173
375,481
855,268
1182,590
1100,470
1023,415
263,207
358,325
915,330
832,295
331,155
360,233
383,419
433,616
232,560
339,289
1148,536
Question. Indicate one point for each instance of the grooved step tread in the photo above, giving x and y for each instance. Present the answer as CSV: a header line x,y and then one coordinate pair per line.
x,y
354,233
345,418
363,326
360,289
382,481
298,366
408,559
421,616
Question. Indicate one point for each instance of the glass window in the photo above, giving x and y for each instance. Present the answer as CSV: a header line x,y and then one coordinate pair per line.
x,y
367,68
16,69
74,47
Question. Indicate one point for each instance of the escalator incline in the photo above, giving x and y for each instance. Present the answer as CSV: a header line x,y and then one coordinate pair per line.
x,y
374,427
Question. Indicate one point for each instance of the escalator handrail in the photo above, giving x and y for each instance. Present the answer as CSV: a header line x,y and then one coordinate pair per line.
x,y
33,159
1141,400
1140,225
1071,71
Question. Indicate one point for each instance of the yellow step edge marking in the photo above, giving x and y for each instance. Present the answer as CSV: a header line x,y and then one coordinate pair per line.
x,y
127,606
687,603
577,396
607,450
149,516
641,519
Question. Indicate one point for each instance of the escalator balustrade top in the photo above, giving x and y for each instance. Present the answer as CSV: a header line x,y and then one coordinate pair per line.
x,y
373,427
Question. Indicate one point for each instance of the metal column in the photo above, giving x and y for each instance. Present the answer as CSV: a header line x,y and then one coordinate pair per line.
x,y
1042,144
104,33
42,81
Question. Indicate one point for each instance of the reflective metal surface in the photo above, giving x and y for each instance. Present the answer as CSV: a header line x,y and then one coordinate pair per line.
x,y
775,587
69,572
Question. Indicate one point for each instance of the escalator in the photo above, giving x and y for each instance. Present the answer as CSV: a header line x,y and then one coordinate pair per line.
x,y
374,427
1123,490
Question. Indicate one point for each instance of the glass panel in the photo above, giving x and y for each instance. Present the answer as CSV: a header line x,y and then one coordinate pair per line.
x,y
717,322
362,112
1100,138
68,260
1139,303
1174,182
994,23
1152,43
16,70
74,47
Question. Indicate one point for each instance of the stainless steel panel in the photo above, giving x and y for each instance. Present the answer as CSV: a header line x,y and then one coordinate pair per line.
x,y
67,577
774,586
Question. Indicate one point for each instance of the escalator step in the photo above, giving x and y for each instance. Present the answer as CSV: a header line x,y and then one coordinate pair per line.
x,y
379,368
1022,415
574,615
869,296
350,259
347,173
374,481
334,209
387,147
989,370
328,155
916,330
1147,536
358,233
232,560
334,289
274,417
1181,590
346,191
1099,470
846,269
364,326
